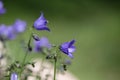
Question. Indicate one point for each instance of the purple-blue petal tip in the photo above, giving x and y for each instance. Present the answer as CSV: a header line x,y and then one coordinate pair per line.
x,y
68,48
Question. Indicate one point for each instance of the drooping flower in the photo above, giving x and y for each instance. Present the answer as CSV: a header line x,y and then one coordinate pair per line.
x,y
39,44
19,26
68,48
2,9
41,23
14,76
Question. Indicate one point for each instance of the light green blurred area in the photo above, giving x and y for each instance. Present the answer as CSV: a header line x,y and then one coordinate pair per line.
x,y
95,25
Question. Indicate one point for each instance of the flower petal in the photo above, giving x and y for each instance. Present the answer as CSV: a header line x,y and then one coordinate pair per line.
x,y
19,26
41,23
70,55
14,76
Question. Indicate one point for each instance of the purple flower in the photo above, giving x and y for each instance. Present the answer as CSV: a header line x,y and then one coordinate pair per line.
x,y
2,29
39,44
19,26
2,9
68,48
14,76
7,32
41,23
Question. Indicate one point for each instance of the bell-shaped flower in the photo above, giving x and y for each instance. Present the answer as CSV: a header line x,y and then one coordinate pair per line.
x,y
2,9
14,76
68,48
19,26
39,44
41,23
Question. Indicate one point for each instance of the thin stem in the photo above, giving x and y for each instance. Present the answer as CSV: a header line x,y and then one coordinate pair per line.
x,y
25,57
55,58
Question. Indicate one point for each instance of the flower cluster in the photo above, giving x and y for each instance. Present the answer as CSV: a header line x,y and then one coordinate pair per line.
x,y
53,52
41,24
10,32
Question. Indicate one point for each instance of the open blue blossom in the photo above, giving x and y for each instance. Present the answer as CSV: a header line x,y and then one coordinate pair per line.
x,y
14,76
68,48
39,44
2,9
19,26
41,23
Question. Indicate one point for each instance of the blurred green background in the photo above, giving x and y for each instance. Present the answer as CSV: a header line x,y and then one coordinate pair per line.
x,y
94,24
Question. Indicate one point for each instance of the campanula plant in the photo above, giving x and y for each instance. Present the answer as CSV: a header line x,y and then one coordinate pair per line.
x,y
36,44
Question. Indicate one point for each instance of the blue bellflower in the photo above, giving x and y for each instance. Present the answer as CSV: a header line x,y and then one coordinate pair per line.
x,y
68,48
41,23
19,26
2,9
39,44
14,76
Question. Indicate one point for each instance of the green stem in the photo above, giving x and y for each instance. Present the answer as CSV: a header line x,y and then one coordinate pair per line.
x,y
55,58
24,59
